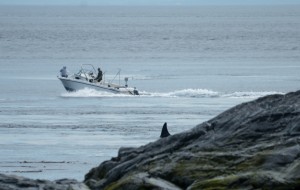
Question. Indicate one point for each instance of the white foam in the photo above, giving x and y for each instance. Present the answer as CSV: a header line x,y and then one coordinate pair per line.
x,y
194,93
85,93
250,94
188,93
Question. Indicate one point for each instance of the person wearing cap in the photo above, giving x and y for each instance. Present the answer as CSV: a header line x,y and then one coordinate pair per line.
x,y
99,76
64,72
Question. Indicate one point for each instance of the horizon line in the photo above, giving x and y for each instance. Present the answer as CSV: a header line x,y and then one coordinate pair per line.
x,y
153,5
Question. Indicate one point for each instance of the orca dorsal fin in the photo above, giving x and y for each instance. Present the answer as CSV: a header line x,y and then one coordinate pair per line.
x,y
164,131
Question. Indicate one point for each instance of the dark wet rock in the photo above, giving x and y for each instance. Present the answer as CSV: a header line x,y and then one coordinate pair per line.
x,y
254,145
20,183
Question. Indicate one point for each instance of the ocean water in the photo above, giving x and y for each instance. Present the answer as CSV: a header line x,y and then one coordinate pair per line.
x,y
189,64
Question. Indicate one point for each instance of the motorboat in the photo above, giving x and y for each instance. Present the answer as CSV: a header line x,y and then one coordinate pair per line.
x,y
86,77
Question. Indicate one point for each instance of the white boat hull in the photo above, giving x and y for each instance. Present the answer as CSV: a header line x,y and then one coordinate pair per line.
x,y
71,84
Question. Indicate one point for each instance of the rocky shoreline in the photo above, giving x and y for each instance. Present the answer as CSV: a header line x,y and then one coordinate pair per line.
x,y
12,182
255,145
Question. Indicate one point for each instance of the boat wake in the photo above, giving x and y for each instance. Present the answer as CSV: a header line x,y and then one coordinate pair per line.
x,y
88,93
185,93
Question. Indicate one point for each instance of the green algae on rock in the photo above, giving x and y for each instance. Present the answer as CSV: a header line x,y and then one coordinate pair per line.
x,y
254,145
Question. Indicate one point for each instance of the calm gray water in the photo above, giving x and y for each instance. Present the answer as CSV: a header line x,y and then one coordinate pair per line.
x,y
189,63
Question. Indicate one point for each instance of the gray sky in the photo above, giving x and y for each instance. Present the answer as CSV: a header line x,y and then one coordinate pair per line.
x,y
147,2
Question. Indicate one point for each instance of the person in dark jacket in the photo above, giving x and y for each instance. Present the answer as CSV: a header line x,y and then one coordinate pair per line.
x,y
99,76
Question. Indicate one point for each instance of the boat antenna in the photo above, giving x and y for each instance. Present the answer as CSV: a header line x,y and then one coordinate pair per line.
x,y
118,73
126,81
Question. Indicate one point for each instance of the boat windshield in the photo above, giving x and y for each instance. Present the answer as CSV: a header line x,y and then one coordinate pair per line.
x,y
87,71
86,68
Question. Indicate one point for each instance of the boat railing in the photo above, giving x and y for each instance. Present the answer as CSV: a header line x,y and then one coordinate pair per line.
x,y
87,76
84,70
88,65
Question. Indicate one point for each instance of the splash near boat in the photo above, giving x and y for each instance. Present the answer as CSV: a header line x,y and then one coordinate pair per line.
x,y
87,78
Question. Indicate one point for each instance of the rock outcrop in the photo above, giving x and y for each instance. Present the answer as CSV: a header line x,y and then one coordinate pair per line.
x,y
20,183
254,145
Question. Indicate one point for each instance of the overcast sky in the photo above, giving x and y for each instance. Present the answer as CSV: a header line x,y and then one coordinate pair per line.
x,y
147,2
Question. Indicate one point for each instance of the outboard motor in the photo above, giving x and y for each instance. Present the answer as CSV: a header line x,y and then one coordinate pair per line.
x,y
135,91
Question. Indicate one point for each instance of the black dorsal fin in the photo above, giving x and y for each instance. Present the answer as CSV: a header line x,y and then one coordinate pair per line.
x,y
164,131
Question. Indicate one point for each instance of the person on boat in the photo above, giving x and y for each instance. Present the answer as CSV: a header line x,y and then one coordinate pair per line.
x,y
99,76
64,72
